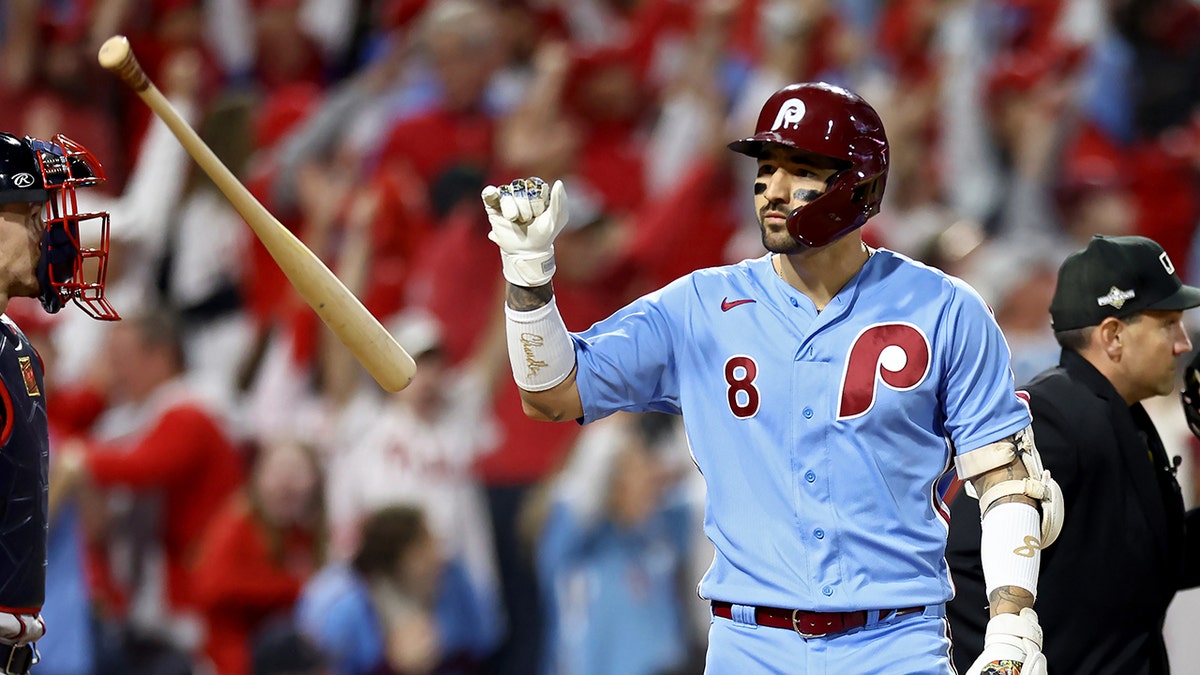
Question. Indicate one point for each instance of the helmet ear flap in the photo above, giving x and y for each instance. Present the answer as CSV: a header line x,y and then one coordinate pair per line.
x,y
824,219
844,207
869,193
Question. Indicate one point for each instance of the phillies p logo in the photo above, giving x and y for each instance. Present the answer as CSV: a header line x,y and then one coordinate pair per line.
x,y
789,115
896,354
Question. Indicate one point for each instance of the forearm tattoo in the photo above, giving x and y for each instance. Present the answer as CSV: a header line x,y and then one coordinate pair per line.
x,y
1014,471
1009,600
524,299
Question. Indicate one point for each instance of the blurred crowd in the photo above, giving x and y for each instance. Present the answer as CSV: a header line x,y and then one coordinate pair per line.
x,y
232,494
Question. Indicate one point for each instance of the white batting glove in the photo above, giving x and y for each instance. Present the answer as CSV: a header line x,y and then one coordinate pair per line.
x,y
1011,646
526,215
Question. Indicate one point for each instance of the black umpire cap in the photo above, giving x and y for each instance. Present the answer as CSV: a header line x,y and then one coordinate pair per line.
x,y
1117,276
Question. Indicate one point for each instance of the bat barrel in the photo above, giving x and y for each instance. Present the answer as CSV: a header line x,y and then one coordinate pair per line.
x,y
337,307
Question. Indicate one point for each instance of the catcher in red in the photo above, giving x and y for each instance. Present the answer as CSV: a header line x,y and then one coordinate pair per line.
x,y
42,255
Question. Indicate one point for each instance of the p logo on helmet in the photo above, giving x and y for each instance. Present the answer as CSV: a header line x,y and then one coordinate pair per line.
x,y
789,115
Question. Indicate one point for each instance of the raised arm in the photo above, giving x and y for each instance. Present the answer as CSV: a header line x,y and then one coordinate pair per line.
x,y
560,402
526,215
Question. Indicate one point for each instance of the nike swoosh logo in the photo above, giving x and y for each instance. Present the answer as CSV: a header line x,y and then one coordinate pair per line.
x,y
19,346
727,305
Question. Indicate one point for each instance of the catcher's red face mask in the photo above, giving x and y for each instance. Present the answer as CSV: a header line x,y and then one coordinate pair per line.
x,y
74,261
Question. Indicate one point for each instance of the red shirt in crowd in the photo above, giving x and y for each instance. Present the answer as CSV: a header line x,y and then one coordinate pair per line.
x,y
243,579
186,456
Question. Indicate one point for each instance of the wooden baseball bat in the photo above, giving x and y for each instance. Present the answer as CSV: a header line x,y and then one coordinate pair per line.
x,y
391,366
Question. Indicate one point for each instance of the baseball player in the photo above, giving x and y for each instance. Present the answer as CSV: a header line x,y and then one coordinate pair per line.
x,y
825,388
40,256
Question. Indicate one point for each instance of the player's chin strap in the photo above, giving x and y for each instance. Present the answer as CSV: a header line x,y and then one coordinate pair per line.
x,y
1038,485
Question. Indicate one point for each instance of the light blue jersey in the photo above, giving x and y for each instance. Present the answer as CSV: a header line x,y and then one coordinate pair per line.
x,y
614,606
821,436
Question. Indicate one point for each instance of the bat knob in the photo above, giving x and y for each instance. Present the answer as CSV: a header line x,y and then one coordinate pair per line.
x,y
117,56
114,52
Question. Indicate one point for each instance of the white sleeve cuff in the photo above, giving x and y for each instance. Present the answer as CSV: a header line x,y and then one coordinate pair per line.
x,y
540,349
1010,546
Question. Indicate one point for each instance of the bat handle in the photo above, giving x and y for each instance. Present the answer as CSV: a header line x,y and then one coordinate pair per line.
x,y
117,56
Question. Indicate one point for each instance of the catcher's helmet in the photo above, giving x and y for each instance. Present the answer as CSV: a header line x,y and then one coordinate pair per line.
x,y
41,172
20,176
832,122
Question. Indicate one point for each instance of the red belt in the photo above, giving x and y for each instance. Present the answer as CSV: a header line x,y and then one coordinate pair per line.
x,y
809,624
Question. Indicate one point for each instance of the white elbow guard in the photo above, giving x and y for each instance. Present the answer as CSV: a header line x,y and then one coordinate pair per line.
x,y
1038,485
539,348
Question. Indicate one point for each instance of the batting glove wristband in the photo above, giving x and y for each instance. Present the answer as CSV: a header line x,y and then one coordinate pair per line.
x,y
1012,646
1190,395
526,215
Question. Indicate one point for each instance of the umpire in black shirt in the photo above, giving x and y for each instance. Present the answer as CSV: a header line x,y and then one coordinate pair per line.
x,y
1127,545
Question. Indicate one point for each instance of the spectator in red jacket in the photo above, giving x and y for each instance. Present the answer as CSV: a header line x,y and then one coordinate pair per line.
x,y
258,552
158,446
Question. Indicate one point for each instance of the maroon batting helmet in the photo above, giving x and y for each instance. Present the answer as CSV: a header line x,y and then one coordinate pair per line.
x,y
831,122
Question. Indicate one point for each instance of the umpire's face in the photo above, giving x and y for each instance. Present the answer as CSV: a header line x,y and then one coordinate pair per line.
x,y
1150,345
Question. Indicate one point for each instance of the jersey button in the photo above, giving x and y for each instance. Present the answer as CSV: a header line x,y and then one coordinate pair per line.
x,y
795,302
828,590
810,476
808,413
819,533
